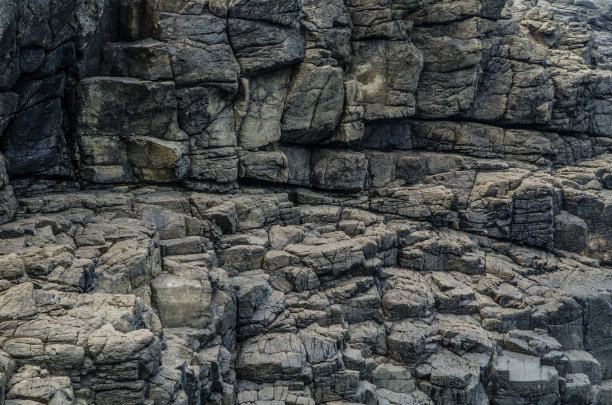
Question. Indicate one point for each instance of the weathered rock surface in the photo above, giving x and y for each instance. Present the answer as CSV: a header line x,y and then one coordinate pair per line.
x,y
251,297
306,202
87,93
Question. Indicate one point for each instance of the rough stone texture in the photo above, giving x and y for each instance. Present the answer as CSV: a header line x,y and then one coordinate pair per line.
x,y
365,201
8,203
314,104
318,303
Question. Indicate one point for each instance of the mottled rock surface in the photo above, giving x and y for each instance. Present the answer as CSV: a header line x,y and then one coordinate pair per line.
x,y
288,202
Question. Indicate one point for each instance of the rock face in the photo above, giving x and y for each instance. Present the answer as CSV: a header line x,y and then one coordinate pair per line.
x,y
157,295
139,91
306,202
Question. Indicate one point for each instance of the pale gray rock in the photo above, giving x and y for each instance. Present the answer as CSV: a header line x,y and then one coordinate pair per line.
x,y
451,379
422,201
128,265
314,104
182,302
280,237
258,305
448,251
155,160
274,356
326,256
33,384
339,170
394,378
351,127
388,72
243,257
216,164
522,378
267,166
260,107
585,363
408,296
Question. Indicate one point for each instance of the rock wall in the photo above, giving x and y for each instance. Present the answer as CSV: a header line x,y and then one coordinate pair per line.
x,y
276,82
197,91
306,202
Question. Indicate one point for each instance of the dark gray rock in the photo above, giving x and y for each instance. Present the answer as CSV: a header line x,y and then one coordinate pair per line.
x,y
261,46
398,202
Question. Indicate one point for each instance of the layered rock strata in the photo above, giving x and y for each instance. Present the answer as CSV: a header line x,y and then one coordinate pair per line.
x,y
196,91
305,202
163,296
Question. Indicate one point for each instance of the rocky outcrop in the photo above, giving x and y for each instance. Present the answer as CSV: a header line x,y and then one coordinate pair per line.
x,y
226,80
305,202
166,296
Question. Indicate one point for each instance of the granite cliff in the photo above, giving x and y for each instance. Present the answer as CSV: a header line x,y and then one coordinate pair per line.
x,y
304,202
